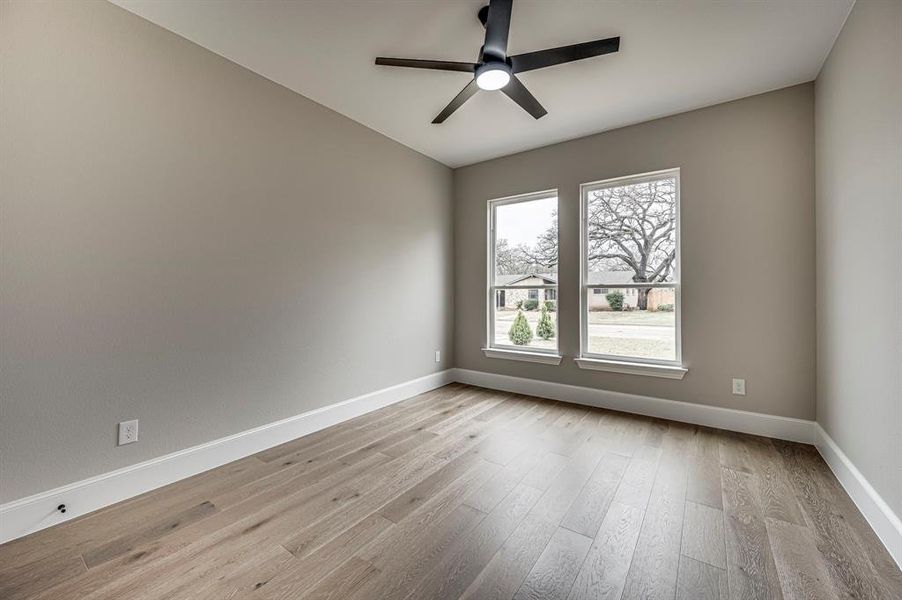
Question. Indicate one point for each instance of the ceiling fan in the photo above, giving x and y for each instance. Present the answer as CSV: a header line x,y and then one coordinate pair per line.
x,y
495,70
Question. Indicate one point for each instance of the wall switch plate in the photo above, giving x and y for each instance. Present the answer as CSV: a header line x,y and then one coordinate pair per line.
x,y
438,356
739,387
128,432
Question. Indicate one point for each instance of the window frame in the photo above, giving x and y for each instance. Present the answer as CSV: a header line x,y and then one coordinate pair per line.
x,y
590,357
491,348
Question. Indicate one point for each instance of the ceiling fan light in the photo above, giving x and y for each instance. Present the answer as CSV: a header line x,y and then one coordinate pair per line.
x,y
493,76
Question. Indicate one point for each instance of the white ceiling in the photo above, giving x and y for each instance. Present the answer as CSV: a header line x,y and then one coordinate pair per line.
x,y
675,55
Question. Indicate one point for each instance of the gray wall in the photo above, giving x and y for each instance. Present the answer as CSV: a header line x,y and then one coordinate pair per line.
x,y
747,248
859,244
187,243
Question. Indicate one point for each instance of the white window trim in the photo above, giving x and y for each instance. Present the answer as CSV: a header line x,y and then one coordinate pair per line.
x,y
510,351
525,356
672,369
632,368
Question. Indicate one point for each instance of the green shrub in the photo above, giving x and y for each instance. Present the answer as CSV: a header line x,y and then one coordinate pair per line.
x,y
615,300
531,305
665,307
545,328
520,333
551,305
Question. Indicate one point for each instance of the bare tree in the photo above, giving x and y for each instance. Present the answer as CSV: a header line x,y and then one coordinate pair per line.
x,y
633,228
543,255
507,259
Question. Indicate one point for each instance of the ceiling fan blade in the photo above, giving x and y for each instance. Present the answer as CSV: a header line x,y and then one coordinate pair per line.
x,y
441,65
517,92
497,28
464,95
556,56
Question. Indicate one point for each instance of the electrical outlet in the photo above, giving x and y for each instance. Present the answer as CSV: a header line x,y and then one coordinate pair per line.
x,y
739,387
128,432
438,356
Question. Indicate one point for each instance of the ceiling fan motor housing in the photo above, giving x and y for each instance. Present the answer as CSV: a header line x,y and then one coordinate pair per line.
x,y
493,75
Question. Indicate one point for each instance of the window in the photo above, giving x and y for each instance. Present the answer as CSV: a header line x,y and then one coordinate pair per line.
x,y
523,258
630,243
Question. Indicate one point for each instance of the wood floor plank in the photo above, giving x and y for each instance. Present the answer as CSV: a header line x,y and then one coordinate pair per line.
x,y
462,564
622,432
703,536
233,578
801,568
655,429
407,502
775,491
402,569
467,492
704,470
489,405
588,510
504,574
701,581
638,478
602,575
320,531
844,508
545,470
564,488
653,572
19,581
554,572
409,443
344,583
846,560
398,541
127,543
303,574
751,571
734,452
487,496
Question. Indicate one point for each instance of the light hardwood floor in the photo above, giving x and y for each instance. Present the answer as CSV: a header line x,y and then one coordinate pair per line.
x,y
470,493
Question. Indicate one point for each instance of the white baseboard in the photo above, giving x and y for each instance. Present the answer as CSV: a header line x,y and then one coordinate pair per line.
x,y
885,523
784,428
27,515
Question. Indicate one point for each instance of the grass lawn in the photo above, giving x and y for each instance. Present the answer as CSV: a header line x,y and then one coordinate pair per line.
x,y
639,334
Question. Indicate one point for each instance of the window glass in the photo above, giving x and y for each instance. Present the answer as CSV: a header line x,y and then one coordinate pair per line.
x,y
630,245
523,245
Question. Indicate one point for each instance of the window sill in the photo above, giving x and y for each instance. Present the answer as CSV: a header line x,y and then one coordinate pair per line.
x,y
533,357
632,368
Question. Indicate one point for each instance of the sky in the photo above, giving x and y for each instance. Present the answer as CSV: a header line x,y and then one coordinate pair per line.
x,y
523,222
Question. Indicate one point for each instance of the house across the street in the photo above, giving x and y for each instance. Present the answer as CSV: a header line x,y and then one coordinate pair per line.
x,y
606,282
508,299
